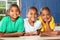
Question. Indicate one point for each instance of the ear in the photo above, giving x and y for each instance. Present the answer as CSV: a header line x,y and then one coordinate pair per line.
x,y
27,15
7,12
19,14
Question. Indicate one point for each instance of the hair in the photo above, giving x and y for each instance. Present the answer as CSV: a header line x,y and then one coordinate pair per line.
x,y
14,5
34,9
44,8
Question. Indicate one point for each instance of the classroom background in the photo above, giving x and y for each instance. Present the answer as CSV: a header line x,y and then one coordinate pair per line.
x,y
54,6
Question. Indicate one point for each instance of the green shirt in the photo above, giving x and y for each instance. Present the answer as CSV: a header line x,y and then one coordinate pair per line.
x,y
9,26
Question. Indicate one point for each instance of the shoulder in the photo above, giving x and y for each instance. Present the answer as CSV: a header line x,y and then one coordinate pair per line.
x,y
5,18
52,20
40,18
26,19
52,17
38,22
20,19
26,23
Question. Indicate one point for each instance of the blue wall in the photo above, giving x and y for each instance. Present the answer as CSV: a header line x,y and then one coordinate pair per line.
x,y
54,6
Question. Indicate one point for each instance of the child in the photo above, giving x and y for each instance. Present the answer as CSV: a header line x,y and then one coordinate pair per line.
x,y
12,25
47,20
30,23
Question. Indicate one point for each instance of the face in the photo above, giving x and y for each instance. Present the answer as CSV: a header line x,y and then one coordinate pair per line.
x,y
45,15
32,14
14,12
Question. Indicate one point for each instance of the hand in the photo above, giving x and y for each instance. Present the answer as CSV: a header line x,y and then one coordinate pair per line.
x,y
31,33
47,24
27,34
35,32
52,33
49,20
1,34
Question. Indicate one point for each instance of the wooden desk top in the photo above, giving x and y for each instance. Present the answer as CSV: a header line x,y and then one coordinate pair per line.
x,y
30,38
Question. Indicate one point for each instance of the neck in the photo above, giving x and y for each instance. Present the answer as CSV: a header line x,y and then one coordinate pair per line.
x,y
31,22
13,19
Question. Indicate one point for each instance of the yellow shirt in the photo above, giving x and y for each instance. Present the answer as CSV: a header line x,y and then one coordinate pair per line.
x,y
51,24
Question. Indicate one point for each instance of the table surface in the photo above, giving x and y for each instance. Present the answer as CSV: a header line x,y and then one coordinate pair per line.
x,y
30,38
36,37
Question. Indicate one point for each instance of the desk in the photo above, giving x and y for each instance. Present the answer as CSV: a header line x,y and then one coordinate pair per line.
x,y
32,37
57,28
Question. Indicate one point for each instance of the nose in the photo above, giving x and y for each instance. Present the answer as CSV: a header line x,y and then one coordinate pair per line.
x,y
15,13
33,15
46,16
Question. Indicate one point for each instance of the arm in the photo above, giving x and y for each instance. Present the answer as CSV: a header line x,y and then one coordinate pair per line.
x,y
51,25
17,34
20,29
47,25
3,29
31,33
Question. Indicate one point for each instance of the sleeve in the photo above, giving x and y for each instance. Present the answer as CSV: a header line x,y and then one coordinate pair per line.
x,y
3,25
39,24
52,24
21,26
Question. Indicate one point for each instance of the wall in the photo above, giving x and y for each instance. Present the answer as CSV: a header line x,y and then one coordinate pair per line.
x,y
54,6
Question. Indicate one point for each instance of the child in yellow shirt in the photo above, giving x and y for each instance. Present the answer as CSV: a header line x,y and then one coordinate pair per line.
x,y
48,23
47,20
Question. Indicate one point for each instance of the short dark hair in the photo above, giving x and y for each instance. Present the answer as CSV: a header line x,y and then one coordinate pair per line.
x,y
44,8
34,9
14,5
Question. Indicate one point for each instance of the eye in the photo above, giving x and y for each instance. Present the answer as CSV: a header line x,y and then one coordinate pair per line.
x,y
43,15
11,10
16,10
30,13
48,14
35,14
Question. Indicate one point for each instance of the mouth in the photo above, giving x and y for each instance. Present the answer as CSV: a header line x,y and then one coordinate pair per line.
x,y
14,16
33,19
45,19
